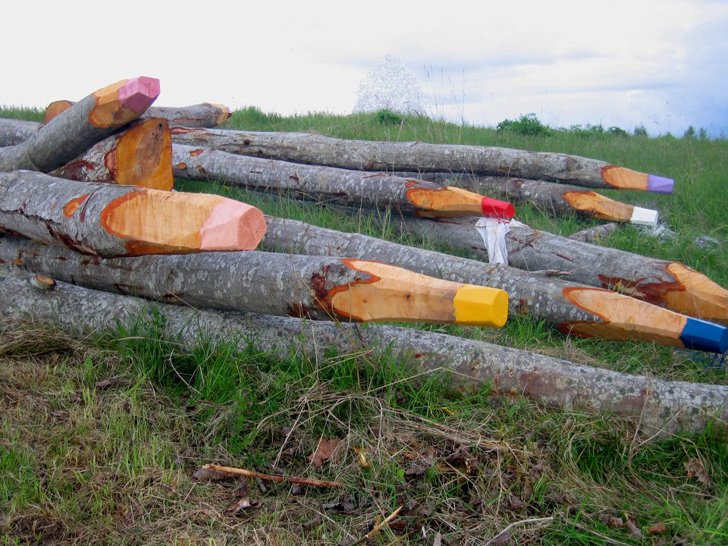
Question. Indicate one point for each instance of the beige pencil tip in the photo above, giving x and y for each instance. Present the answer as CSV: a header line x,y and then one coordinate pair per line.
x,y
233,225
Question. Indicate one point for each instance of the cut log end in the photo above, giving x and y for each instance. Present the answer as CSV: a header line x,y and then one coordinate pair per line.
x,y
55,108
144,156
596,205
449,201
225,112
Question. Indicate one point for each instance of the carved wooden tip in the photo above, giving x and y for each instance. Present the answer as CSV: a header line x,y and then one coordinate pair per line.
x,y
595,205
393,293
627,179
161,222
232,225
448,201
123,101
698,296
138,94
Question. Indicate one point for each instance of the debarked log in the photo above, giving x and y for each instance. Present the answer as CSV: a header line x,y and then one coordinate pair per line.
x,y
332,185
575,309
113,220
668,284
316,287
206,114
657,405
550,197
81,126
423,157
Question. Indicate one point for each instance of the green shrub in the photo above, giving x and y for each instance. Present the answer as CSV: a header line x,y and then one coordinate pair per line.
x,y
527,124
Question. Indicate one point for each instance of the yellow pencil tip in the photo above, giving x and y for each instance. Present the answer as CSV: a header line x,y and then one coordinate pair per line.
x,y
481,306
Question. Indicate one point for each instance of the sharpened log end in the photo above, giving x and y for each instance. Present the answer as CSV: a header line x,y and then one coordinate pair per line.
x,y
481,306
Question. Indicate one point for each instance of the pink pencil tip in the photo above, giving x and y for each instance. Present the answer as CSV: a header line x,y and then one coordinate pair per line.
x,y
233,225
138,94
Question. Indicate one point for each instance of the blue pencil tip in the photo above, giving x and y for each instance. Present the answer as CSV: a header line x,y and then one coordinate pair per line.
x,y
704,336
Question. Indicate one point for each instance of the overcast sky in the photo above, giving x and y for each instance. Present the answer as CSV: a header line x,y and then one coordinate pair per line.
x,y
659,63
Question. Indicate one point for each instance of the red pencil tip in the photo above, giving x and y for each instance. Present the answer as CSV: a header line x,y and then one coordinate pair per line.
x,y
494,208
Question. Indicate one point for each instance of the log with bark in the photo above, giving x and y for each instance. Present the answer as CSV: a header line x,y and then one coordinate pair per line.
x,y
206,114
552,198
655,405
317,287
84,124
113,220
573,308
595,234
661,282
15,131
332,185
423,157
140,155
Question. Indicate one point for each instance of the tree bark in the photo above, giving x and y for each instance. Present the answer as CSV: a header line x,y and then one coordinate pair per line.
x,y
277,284
573,308
332,185
551,198
422,157
15,131
140,155
112,220
668,284
206,114
595,234
657,406
92,119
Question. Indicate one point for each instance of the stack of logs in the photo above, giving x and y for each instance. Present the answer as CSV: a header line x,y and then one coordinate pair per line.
x,y
112,243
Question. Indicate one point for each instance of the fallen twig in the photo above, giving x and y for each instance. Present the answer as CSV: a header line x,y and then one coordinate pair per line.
x,y
378,527
271,477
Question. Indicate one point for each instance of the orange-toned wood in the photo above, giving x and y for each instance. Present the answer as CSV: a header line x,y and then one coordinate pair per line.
x,y
698,296
143,156
624,179
446,201
599,206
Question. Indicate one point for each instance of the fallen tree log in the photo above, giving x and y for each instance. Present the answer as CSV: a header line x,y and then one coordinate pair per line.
x,y
595,234
140,155
656,406
206,114
422,157
550,197
15,131
113,220
316,287
331,185
573,308
668,284
81,126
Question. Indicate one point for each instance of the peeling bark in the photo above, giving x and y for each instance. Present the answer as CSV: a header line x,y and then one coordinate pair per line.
x,y
422,157
278,284
90,120
112,220
660,282
657,406
332,185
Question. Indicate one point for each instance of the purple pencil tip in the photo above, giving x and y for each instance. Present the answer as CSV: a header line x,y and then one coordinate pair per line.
x,y
139,93
658,184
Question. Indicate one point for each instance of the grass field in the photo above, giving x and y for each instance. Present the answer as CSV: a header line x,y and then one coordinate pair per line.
x,y
101,437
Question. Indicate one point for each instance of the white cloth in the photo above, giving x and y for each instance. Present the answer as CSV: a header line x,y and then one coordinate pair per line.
x,y
494,231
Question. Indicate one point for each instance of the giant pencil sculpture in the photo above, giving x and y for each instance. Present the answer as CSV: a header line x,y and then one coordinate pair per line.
x,y
423,157
337,186
661,282
277,284
140,155
206,114
550,197
573,308
660,407
81,126
112,220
